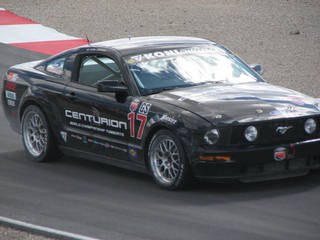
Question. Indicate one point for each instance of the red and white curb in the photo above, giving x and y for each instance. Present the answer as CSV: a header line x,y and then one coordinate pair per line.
x,y
44,231
24,33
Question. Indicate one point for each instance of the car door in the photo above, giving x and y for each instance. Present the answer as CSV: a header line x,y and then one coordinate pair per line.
x,y
96,122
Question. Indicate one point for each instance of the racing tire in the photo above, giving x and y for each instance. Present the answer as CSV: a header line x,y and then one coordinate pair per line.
x,y
167,161
36,135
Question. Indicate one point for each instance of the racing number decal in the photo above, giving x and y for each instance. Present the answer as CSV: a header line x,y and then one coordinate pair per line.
x,y
143,120
131,118
141,116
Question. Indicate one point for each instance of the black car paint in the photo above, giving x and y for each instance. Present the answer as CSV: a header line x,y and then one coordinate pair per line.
x,y
222,105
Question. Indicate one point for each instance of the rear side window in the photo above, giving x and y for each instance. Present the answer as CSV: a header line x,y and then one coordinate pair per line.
x,y
56,66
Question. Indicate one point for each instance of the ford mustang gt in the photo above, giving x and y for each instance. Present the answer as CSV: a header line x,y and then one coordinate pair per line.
x,y
179,108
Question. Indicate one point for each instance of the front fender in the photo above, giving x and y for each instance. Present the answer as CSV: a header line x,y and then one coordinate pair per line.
x,y
189,127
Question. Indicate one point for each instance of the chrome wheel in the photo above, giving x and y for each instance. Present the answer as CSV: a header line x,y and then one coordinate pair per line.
x,y
165,159
35,134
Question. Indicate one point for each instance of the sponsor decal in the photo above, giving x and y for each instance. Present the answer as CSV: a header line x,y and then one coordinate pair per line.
x,y
11,103
173,52
76,137
63,136
106,145
142,116
134,105
291,108
95,119
116,133
81,125
12,76
132,152
101,121
280,154
118,148
11,95
11,86
144,108
56,66
168,119
97,129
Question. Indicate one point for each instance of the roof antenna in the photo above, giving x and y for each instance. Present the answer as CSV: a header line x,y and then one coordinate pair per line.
x,y
129,36
88,40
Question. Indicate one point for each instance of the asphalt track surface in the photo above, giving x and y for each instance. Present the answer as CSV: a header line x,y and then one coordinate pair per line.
x,y
110,203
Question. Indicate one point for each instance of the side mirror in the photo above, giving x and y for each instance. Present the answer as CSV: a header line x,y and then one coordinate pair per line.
x,y
113,86
257,68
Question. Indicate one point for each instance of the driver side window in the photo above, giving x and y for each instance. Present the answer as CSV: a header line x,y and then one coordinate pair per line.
x,y
97,68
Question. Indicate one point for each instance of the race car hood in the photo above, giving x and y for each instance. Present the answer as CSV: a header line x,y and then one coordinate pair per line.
x,y
226,103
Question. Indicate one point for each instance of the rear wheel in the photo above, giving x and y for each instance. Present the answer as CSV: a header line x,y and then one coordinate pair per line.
x,y
167,161
37,138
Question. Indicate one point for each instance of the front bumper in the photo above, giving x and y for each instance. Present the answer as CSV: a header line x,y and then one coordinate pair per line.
x,y
258,163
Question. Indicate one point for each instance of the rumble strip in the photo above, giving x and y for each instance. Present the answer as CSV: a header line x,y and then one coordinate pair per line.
x,y
24,33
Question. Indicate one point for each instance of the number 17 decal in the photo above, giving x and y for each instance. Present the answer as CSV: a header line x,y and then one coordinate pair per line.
x,y
142,118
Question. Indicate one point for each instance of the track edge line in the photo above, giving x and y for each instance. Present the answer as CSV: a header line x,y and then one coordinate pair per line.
x,y
41,230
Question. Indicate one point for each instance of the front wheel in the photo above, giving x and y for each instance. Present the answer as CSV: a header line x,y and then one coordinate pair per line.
x,y
36,135
167,161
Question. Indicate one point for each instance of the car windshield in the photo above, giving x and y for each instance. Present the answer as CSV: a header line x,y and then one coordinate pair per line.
x,y
175,68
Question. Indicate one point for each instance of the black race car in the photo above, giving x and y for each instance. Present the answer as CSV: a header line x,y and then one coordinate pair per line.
x,y
177,107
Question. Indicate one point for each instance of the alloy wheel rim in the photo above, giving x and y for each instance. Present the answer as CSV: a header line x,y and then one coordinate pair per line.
x,y
165,160
35,134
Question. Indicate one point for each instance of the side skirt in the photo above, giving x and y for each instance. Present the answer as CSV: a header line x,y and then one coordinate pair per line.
x,y
102,159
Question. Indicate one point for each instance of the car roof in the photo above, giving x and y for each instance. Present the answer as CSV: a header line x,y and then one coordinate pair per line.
x,y
127,46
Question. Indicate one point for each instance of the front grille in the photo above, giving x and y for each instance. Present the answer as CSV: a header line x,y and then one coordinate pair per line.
x,y
268,132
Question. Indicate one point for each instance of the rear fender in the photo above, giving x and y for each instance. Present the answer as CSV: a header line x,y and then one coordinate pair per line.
x,y
39,98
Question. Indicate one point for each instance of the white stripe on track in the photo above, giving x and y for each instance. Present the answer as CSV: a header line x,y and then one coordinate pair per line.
x,y
30,33
2,9
49,232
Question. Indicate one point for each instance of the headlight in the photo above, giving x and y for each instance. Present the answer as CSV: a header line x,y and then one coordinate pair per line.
x,y
251,133
212,136
310,126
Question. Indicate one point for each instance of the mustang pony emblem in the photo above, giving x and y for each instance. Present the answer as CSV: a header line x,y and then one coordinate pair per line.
x,y
283,130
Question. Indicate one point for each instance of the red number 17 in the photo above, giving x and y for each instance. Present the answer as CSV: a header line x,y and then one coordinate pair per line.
x,y
142,119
